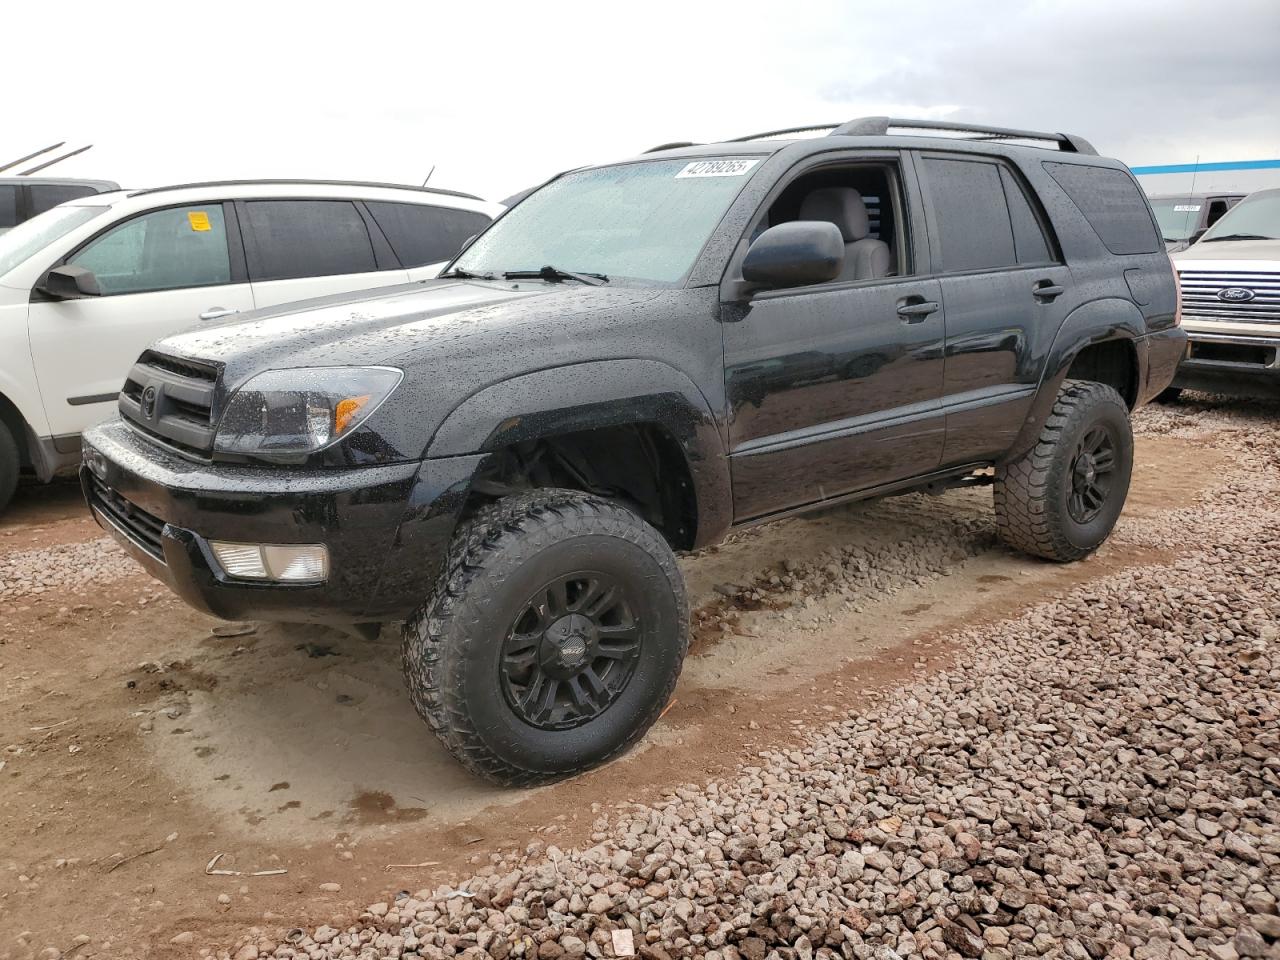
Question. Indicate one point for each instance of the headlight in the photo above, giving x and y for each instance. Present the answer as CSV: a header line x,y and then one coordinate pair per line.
x,y
288,413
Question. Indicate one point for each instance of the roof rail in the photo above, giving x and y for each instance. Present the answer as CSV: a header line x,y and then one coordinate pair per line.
x,y
303,183
779,133
879,126
673,145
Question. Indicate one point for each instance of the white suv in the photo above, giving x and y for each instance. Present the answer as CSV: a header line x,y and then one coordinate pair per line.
x,y
87,285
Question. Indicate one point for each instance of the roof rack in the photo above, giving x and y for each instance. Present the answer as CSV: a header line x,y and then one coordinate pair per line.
x,y
879,126
673,145
779,133
316,183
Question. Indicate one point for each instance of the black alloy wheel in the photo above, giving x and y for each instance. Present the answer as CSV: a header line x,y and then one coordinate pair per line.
x,y
1092,470
571,651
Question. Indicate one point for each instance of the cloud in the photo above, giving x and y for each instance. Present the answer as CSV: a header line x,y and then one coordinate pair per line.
x,y
500,95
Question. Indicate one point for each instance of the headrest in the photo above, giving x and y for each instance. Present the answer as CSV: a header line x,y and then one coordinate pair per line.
x,y
842,206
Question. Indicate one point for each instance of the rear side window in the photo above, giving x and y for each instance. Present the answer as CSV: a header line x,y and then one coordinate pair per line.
x,y
306,238
1112,203
46,196
161,250
8,206
421,234
972,216
1028,236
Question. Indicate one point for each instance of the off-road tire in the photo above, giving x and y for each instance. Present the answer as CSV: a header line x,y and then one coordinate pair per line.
x,y
1032,492
1169,395
452,643
9,465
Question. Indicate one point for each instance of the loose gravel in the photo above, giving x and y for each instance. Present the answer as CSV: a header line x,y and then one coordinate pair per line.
x,y
67,567
1097,778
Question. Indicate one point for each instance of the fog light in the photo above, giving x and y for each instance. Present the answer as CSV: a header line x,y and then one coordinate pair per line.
x,y
308,561
242,560
286,563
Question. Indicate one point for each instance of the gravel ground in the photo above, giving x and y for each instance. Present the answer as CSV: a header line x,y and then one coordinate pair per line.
x,y
65,568
1097,778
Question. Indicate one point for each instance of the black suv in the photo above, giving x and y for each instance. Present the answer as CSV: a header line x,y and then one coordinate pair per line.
x,y
636,359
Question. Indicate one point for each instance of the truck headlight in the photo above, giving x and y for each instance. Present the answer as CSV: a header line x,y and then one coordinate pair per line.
x,y
283,414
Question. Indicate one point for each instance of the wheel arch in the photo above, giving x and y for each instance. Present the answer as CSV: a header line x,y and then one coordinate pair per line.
x,y
604,398
1104,341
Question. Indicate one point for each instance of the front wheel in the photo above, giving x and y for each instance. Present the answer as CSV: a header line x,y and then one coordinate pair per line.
x,y
9,465
1061,499
553,638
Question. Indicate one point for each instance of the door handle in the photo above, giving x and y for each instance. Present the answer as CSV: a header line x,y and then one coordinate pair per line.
x,y
217,313
915,309
1047,290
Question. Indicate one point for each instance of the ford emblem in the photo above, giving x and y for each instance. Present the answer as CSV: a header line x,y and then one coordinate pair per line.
x,y
1236,295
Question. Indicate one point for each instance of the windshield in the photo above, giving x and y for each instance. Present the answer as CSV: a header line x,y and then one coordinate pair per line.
x,y
644,221
1178,217
1257,215
29,238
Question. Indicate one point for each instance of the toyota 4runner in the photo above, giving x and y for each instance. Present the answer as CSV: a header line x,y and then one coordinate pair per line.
x,y
636,359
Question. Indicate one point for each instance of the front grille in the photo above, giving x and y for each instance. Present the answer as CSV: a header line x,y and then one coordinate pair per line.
x,y
1200,300
171,400
142,528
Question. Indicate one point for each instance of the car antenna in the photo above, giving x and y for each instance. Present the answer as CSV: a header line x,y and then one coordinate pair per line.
x,y
29,156
50,163
429,173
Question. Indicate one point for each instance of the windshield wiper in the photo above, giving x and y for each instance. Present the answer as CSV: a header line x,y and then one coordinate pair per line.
x,y
457,273
554,274
1239,236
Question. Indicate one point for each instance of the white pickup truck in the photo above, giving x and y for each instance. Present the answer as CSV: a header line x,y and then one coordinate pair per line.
x,y
1230,283
86,286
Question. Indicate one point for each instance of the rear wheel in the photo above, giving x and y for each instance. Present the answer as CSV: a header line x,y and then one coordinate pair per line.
x,y
553,638
9,463
1062,498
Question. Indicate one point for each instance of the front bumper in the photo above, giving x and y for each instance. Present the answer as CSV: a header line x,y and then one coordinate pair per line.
x,y
386,527
1232,364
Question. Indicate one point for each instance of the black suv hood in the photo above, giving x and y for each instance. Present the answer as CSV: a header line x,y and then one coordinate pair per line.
x,y
452,338
356,328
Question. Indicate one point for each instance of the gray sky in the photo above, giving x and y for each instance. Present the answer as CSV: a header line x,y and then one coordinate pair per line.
x,y
498,96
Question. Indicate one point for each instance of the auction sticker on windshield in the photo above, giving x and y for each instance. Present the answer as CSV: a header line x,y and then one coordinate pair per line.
x,y
721,167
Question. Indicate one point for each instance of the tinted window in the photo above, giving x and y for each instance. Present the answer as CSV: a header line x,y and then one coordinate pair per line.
x,y
1028,236
1112,203
307,238
974,232
46,196
421,234
8,206
163,250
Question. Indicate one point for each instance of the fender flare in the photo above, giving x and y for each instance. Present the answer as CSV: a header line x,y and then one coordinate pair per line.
x,y
1098,321
592,395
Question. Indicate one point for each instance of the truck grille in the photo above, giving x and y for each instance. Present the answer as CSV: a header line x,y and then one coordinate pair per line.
x,y
141,527
1201,300
171,401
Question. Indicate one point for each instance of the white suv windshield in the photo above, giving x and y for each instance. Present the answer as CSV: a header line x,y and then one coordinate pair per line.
x,y
29,238
643,221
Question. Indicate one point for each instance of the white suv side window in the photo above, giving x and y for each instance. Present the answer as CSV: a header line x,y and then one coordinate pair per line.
x,y
163,250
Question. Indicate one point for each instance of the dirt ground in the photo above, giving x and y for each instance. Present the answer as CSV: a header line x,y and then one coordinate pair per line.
x,y
140,740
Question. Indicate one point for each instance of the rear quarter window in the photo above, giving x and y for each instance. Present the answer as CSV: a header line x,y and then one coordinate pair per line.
x,y
420,233
8,206
1112,203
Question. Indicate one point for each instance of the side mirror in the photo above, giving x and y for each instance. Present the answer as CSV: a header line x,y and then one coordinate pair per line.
x,y
795,254
70,283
